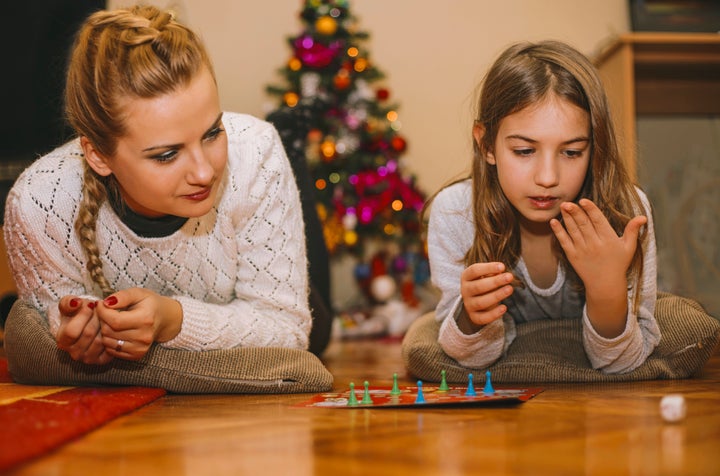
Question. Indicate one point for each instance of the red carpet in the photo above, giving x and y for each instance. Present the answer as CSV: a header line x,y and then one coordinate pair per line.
x,y
35,420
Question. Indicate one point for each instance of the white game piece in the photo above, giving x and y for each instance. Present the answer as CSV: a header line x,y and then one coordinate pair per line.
x,y
673,407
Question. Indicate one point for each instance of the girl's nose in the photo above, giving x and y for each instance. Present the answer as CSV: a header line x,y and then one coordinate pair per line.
x,y
546,172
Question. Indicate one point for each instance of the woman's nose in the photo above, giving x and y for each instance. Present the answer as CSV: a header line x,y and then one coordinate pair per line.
x,y
200,171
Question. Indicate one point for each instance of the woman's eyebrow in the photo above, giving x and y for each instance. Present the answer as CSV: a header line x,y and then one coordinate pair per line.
x,y
176,146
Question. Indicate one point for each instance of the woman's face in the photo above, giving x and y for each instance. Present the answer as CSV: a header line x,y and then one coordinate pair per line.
x,y
542,155
172,158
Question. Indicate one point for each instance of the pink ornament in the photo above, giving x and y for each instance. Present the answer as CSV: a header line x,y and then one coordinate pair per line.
x,y
315,54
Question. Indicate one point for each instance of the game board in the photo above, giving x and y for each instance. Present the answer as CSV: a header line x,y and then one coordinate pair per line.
x,y
421,395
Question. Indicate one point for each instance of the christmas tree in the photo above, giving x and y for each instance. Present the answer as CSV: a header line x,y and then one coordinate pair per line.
x,y
335,113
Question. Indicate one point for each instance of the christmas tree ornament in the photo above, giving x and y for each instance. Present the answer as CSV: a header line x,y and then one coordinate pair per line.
x,y
309,84
326,25
290,98
342,80
294,64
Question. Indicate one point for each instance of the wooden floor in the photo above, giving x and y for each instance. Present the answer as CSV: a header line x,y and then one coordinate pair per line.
x,y
613,429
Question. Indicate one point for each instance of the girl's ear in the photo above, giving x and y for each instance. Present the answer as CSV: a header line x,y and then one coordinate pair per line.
x,y
95,160
478,134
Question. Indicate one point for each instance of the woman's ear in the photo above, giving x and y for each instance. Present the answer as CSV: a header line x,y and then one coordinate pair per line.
x,y
478,134
95,160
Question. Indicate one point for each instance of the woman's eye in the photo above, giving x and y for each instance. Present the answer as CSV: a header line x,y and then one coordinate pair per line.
x,y
214,133
165,156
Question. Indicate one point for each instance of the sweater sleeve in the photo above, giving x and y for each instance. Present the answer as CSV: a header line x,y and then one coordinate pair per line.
x,y
44,257
270,305
630,349
450,234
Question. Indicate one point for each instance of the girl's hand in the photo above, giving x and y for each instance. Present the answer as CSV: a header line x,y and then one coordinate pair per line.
x,y
132,319
482,287
601,259
79,332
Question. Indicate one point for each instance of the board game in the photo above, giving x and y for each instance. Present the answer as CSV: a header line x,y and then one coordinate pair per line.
x,y
421,395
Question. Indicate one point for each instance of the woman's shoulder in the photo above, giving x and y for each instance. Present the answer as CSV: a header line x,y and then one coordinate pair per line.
x,y
239,125
52,180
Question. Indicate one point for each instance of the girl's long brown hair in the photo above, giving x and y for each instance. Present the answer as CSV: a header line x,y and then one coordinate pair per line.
x,y
522,75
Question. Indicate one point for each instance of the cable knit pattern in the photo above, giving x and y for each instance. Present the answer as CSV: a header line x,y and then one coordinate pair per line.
x,y
450,235
240,271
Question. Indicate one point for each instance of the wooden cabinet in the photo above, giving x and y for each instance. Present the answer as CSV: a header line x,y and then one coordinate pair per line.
x,y
649,73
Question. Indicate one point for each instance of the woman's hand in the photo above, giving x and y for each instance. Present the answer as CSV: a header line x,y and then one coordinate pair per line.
x,y
132,319
482,287
601,259
79,333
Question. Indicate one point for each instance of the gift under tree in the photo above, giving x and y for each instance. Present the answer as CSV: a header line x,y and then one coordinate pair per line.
x,y
335,113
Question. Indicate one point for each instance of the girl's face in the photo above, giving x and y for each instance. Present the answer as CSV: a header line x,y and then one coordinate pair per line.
x,y
173,155
542,154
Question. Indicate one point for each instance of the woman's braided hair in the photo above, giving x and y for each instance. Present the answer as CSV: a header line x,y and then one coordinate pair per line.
x,y
140,52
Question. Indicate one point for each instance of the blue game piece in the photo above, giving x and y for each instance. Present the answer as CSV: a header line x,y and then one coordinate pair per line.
x,y
420,397
352,401
471,388
488,384
395,389
366,400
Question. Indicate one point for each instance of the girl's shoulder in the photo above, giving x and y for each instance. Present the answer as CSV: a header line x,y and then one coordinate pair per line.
x,y
454,197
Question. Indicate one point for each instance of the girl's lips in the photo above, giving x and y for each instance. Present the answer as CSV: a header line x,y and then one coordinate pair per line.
x,y
543,203
199,196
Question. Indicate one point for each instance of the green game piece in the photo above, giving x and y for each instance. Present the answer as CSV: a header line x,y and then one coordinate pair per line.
x,y
352,401
443,383
366,400
395,389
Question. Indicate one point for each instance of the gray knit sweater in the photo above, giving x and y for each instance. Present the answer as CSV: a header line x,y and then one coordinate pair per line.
x,y
239,272
450,235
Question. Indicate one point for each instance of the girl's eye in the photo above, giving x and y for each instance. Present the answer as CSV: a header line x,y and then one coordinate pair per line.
x,y
213,134
523,152
573,153
165,156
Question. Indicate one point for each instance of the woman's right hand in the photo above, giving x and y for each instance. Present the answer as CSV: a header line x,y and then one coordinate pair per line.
x,y
79,332
483,286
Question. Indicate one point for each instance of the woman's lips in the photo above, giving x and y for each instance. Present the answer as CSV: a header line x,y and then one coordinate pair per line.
x,y
199,196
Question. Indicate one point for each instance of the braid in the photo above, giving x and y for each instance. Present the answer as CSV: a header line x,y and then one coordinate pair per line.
x,y
140,52
94,193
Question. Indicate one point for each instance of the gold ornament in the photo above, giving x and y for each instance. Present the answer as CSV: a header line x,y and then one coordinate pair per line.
x,y
326,25
291,99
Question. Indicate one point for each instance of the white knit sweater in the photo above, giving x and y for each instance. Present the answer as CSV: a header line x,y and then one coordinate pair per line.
x,y
239,272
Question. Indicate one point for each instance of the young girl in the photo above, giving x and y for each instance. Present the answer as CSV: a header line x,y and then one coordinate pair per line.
x,y
166,221
549,225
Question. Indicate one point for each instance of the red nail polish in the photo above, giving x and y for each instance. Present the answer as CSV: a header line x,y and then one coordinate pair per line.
x,y
74,302
92,305
110,301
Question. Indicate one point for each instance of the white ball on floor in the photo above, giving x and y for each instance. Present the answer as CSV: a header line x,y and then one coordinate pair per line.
x,y
673,407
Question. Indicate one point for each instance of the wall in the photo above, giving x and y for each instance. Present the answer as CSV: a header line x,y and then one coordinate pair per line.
x,y
433,54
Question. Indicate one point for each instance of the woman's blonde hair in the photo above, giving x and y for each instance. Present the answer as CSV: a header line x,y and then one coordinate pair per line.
x,y
525,74
139,52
